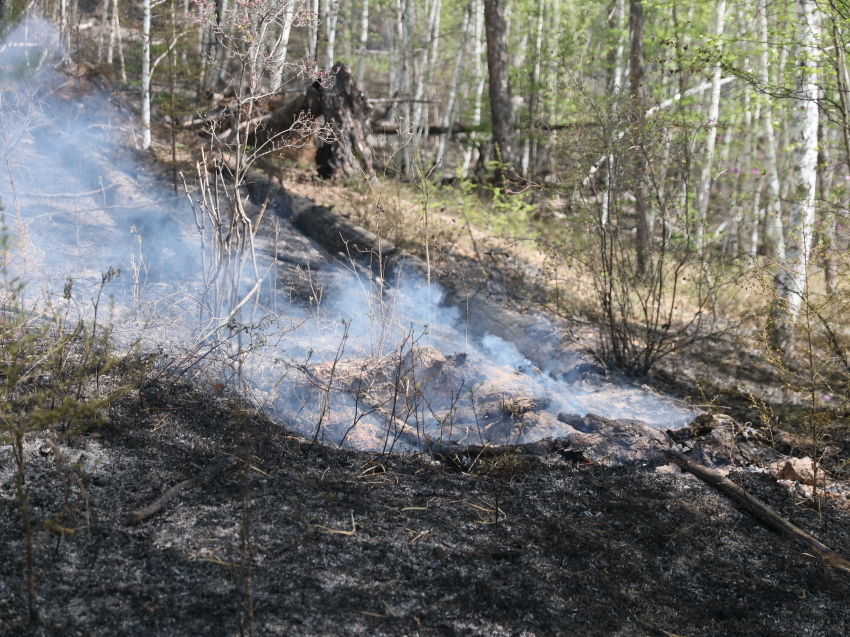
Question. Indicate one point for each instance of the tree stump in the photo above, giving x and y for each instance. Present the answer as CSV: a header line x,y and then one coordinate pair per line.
x,y
345,108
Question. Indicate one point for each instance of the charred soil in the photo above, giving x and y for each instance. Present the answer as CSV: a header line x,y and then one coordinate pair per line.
x,y
353,543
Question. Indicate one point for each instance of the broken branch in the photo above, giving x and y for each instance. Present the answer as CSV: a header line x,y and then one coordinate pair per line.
x,y
757,508
157,506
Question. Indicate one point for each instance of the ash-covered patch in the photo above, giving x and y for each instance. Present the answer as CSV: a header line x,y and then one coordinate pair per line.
x,y
521,546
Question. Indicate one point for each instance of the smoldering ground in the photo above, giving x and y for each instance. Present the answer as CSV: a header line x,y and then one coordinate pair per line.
x,y
82,202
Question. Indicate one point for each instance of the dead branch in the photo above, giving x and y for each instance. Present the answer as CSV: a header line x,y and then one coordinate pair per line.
x,y
758,509
157,506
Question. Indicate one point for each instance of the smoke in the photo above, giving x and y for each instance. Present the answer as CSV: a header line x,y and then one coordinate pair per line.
x,y
81,200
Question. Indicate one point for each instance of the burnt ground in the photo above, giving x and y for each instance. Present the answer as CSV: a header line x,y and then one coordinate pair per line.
x,y
516,547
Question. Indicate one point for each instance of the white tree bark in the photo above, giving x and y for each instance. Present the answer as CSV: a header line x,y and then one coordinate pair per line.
x,y
450,114
283,45
313,41
104,20
619,54
774,202
364,38
554,67
609,164
333,12
146,74
791,278
113,27
63,25
404,24
478,73
704,188
433,52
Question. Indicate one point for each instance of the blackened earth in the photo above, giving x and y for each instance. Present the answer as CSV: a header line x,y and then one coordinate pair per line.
x,y
516,546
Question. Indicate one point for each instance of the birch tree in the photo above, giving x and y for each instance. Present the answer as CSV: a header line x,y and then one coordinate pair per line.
x,y
774,203
451,108
364,38
146,74
792,279
704,189
637,89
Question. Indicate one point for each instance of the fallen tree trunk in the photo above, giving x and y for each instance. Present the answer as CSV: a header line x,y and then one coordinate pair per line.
x,y
392,128
143,514
758,509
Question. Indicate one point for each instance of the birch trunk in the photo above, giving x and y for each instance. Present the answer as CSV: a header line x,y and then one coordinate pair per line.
x,y
434,50
534,105
404,25
283,46
774,200
104,21
313,41
451,103
616,23
843,85
636,74
186,23
333,12
63,25
826,234
113,26
120,45
704,188
146,74
792,280
364,38
478,72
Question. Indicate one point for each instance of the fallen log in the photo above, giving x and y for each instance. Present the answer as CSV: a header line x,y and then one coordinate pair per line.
x,y
758,509
143,514
393,128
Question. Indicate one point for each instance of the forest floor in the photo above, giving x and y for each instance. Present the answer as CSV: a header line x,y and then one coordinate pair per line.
x,y
354,543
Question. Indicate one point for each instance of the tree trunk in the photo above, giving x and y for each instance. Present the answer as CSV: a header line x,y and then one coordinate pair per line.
x,y
113,27
616,24
104,19
146,74
478,73
791,279
450,113
826,233
345,108
501,108
313,41
534,105
774,203
704,190
332,13
364,38
429,61
283,46
636,73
